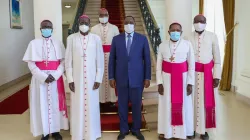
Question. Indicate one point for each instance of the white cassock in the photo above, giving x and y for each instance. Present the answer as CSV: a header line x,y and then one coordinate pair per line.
x,y
84,64
45,116
206,49
106,33
183,52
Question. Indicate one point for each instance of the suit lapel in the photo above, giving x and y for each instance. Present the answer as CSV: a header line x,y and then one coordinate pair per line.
x,y
133,42
124,46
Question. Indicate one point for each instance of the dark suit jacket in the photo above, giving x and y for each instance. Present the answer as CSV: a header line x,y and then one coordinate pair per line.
x,y
130,70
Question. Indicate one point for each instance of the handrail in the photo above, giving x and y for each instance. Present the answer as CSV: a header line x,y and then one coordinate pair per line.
x,y
79,11
151,25
232,29
75,12
151,13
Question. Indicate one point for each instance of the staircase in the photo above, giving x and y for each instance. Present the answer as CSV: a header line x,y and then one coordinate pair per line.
x,y
150,102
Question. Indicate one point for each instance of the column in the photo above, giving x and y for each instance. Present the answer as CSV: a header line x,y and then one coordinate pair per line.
x,y
50,10
179,11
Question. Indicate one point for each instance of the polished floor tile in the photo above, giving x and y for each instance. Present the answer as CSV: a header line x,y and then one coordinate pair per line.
x,y
233,121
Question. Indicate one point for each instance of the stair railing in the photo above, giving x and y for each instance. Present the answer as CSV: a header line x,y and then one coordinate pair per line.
x,y
151,25
81,4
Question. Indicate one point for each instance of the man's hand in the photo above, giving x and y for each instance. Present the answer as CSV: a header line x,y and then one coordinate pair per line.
x,y
112,83
216,83
161,89
146,83
72,86
96,85
50,79
189,89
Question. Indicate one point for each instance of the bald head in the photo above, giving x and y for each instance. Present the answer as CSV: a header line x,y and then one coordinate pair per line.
x,y
200,19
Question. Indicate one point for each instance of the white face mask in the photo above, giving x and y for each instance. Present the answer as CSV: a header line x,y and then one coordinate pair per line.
x,y
104,20
129,28
84,28
199,27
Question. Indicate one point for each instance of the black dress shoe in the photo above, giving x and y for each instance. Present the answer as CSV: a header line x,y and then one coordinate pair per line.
x,y
45,138
112,104
161,137
122,136
190,137
57,136
138,135
205,137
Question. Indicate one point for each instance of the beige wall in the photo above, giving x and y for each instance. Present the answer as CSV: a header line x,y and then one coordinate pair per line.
x,y
158,8
13,42
241,69
68,13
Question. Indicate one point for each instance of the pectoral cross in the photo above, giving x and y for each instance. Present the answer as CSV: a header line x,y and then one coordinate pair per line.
x,y
46,63
171,58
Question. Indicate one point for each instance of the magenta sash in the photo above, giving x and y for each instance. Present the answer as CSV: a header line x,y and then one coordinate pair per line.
x,y
106,48
176,70
208,91
53,65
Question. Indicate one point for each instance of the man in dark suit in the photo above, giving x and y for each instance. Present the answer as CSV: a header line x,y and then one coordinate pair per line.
x,y
129,72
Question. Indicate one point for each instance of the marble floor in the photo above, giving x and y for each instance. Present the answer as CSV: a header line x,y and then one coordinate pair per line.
x,y
233,121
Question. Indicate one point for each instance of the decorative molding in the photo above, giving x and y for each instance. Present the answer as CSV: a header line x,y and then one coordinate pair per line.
x,y
245,73
13,82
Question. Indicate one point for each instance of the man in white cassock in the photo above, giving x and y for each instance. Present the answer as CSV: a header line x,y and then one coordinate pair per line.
x,y
208,74
45,58
106,31
84,64
175,78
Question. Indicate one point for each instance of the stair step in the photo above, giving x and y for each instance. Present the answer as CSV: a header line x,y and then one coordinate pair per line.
x,y
92,9
108,108
131,9
113,113
91,13
129,0
93,5
112,122
132,12
153,88
130,3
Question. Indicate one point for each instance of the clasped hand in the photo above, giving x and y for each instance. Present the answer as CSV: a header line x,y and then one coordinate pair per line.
x,y
50,79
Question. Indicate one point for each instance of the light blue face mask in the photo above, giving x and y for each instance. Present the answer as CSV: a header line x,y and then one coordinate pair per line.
x,y
175,36
46,32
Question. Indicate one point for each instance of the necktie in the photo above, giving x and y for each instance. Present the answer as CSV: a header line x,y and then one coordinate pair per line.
x,y
129,43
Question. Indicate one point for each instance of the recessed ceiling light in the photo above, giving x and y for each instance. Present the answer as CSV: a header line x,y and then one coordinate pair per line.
x,y
67,6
